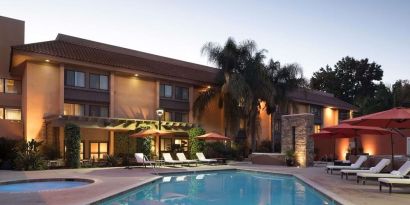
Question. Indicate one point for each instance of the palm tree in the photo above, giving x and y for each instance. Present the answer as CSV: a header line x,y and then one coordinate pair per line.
x,y
244,82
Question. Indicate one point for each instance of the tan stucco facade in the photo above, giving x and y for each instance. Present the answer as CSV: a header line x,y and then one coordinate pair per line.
x,y
40,97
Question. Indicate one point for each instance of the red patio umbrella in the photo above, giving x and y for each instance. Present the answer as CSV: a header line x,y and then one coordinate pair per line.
x,y
350,131
327,134
212,136
396,118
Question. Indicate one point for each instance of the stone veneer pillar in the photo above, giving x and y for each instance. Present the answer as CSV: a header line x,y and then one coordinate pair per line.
x,y
303,124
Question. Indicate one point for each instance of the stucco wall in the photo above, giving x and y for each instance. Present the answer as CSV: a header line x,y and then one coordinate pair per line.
x,y
212,118
41,87
134,98
265,131
12,33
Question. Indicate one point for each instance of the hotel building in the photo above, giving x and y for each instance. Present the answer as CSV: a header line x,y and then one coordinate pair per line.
x,y
109,90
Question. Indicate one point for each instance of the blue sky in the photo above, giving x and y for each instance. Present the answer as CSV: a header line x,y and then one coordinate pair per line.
x,y
312,33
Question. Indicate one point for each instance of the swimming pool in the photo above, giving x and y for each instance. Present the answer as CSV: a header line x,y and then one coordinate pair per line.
x,y
224,188
35,185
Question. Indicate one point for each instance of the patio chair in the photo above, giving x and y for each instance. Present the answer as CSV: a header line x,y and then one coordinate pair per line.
x,y
376,169
403,171
355,165
390,182
168,159
202,158
142,159
182,158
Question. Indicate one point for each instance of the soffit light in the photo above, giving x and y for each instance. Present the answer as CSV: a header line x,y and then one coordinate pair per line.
x,y
136,75
47,60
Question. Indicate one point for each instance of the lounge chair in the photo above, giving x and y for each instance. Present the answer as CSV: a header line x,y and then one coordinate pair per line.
x,y
168,159
183,159
355,165
404,169
390,182
376,169
142,159
202,158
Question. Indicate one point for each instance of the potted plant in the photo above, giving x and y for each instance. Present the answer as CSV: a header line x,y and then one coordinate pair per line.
x,y
290,158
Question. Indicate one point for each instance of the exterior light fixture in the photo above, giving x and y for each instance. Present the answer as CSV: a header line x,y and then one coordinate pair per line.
x,y
209,87
136,75
159,112
47,60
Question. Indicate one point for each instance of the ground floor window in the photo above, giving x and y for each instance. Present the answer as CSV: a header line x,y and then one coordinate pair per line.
x,y
98,150
11,114
317,128
173,144
81,150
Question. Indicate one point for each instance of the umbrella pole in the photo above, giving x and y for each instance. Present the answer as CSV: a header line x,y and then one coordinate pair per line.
x,y
334,149
392,152
355,146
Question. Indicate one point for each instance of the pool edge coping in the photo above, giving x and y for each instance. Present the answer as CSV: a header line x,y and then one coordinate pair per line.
x,y
89,181
310,183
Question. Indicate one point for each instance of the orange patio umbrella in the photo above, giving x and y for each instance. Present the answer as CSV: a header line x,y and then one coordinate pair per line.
x,y
351,131
396,118
212,136
151,132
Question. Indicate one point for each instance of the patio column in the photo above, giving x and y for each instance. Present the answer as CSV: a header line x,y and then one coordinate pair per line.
x,y
111,142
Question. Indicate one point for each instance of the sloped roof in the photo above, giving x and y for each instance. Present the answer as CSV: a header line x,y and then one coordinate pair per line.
x,y
316,97
94,52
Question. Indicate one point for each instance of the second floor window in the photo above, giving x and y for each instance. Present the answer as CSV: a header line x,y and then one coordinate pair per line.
x,y
98,111
74,109
166,91
175,116
99,81
74,78
181,93
10,86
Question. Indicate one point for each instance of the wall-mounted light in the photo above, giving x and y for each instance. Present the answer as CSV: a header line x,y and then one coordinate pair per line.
x,y
136,75
209,87
47,60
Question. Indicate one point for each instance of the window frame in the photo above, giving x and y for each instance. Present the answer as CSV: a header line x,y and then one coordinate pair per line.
x,y
2,113
99,110
162,94
11,108
99,76
99,149
83,105
2,87
75,79
181,88
17,86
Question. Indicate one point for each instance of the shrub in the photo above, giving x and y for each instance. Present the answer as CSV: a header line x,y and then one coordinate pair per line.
x,y
72,142
194,144
8,152
50,152
29,156
146,146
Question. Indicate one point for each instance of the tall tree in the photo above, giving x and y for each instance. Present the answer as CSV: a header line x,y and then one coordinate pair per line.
x,y
350,80
401,93
380,101
244,82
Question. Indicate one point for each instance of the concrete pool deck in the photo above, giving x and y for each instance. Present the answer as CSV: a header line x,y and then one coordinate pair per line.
x,y
109,181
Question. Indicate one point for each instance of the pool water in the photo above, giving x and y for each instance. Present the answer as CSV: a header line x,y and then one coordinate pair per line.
x,y
224,188
40,186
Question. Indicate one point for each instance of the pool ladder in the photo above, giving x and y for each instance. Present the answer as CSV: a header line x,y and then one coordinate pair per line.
x,y
152,165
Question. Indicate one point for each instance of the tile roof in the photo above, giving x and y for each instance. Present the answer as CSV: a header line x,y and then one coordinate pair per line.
x,y
316,97
93,52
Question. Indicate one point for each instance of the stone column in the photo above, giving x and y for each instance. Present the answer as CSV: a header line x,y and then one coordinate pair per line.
x,y
301,126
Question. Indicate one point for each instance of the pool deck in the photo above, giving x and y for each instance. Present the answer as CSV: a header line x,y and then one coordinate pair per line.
x,y
109,181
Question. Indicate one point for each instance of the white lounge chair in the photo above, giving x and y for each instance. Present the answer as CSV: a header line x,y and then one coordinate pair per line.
x,y
390,182
183,159
202,158
355,165
376,169
403,171
142,159
168,159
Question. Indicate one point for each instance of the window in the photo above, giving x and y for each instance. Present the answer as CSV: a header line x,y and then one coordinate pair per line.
x,y
180,117
1,85
317,128
182,144
167,116
74,109
98,150
344,115
166,144
75,78
317,112
98,111
181,93
1,113
166,91
81,150
99,81
11,86
12,114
